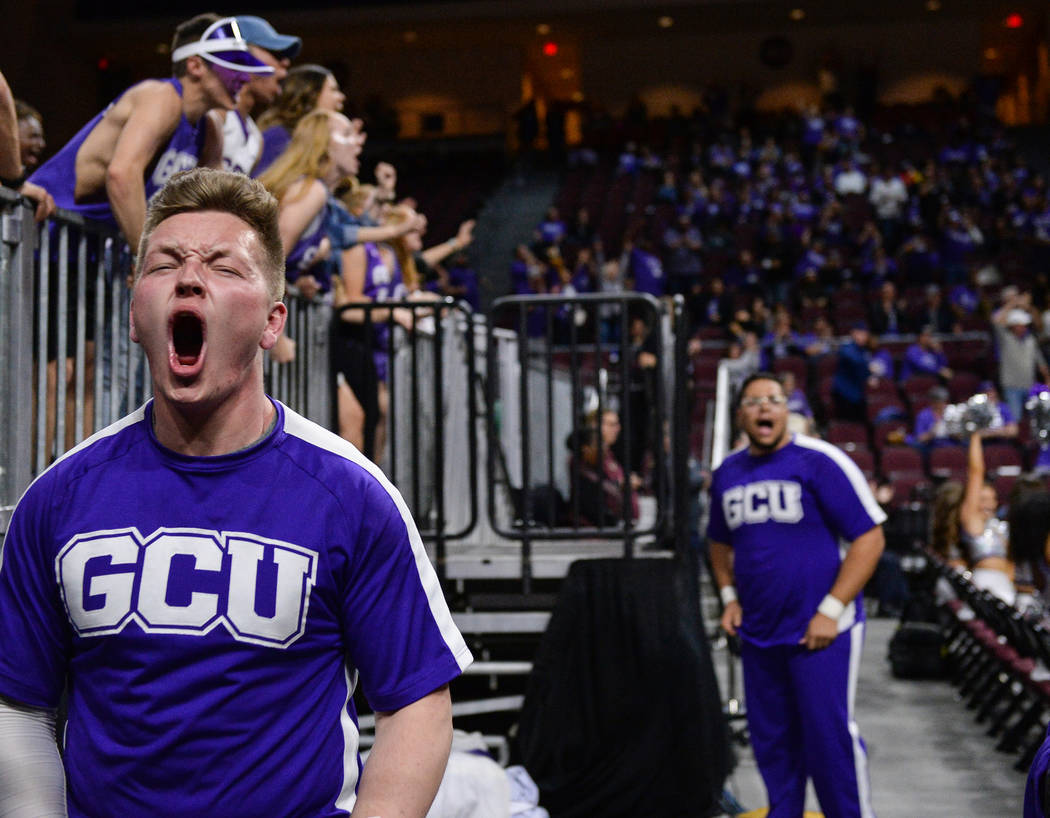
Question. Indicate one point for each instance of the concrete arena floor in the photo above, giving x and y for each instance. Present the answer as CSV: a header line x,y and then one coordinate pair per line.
x,y
928,758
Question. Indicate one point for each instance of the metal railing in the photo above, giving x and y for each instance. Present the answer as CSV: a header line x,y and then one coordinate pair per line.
x,y
431,437
71,369
575,360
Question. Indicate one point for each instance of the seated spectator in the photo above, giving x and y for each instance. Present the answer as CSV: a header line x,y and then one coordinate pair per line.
x,y
925,357
934,312
681,250
931,430
887,314
820,340
851,375
307,88
782,340
1004,424
881,364
960,239
878,268
242,141
597,476
713,306
800,413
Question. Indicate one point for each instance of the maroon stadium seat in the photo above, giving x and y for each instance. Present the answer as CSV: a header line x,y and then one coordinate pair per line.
x,y
847,431
948,462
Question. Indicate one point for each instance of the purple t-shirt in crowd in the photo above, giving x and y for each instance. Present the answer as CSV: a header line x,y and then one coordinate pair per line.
x,y
58,174
920,361
213,615
275,139
784,515
648,272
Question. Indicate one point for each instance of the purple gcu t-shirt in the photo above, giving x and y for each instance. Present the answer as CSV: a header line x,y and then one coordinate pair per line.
x,y
59,177
213,615
784,515
382,283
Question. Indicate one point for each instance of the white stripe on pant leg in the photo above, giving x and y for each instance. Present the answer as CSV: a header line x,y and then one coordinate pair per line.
x,y
860,758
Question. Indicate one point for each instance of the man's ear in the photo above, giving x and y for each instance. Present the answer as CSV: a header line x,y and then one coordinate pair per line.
x,y
274,325
195,66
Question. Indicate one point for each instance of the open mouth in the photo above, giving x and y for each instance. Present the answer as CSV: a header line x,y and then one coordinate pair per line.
x,y
765,424
187,342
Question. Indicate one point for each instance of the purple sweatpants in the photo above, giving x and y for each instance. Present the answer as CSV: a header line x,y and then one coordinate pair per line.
x,y
800,714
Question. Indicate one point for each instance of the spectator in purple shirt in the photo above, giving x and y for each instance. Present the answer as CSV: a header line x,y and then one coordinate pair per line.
x,y
552,229
930,428
925,357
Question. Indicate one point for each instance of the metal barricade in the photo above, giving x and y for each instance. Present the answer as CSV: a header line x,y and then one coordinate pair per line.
x,y
305,382
577,360
69,367
421,355
64,316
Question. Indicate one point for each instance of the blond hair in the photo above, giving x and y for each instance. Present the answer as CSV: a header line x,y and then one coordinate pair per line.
x,y
409,272
199,189
305,157
356,198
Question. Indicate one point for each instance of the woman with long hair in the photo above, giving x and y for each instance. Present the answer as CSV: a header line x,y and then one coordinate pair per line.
x,y
324,150
944,523
306,89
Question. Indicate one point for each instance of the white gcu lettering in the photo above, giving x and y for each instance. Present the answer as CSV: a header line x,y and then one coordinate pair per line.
x,y
294,565
170,163
156,572
752,503
113,588
380,275
97,573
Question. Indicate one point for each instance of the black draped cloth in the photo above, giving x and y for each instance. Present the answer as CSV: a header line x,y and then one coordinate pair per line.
x,y
622,713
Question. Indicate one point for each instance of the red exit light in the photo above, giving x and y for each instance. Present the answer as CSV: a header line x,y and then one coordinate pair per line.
x,y
1014,21
550,48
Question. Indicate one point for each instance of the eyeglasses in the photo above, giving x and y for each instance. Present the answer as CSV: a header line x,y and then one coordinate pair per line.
x,y
762,400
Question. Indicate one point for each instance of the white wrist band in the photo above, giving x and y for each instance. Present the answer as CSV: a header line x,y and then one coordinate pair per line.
x,y
831,607
728,594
